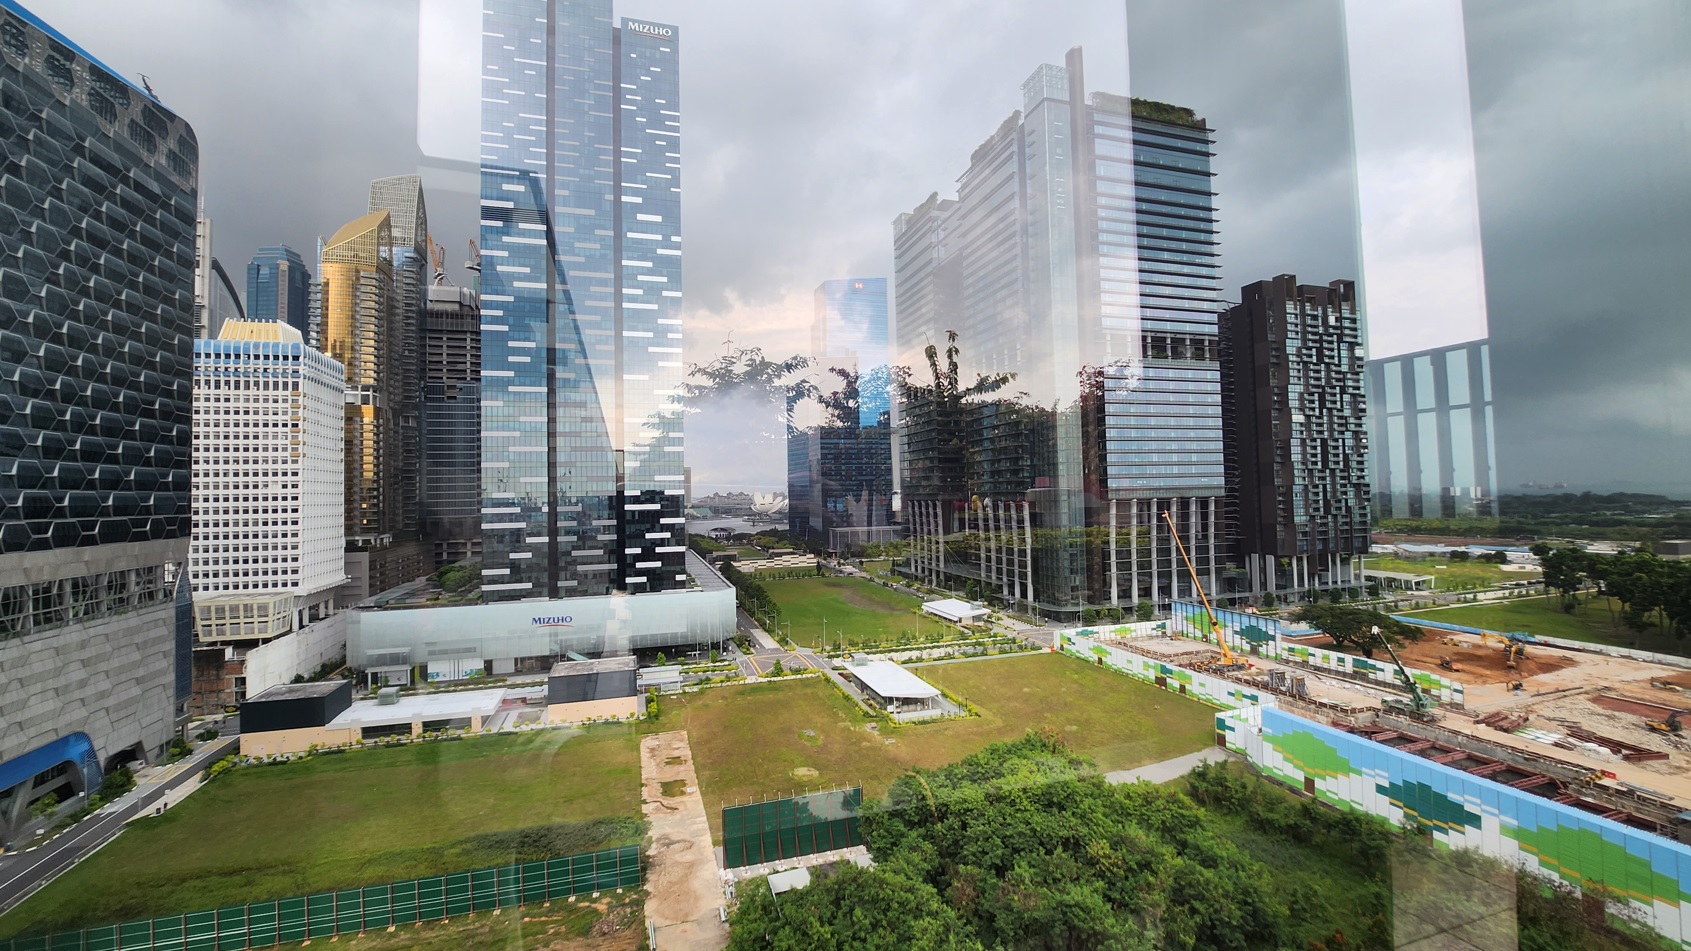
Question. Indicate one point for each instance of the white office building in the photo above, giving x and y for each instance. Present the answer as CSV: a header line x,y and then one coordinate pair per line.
x,y
268,484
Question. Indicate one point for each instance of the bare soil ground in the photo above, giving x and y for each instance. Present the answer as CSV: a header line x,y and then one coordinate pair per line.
x,y
683,885
1483,665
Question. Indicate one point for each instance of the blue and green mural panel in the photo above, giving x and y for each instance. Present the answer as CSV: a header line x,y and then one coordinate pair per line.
x,y
1460,810
349,911
1211,690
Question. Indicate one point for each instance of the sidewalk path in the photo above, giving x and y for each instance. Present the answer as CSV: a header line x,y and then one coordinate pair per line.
x,y
683,886
1172,768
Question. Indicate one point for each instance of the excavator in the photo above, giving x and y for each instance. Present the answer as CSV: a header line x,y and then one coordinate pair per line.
x,y
1669,725
1227,661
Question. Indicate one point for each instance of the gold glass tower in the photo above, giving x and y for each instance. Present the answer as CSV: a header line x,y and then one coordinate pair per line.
x,y
358,330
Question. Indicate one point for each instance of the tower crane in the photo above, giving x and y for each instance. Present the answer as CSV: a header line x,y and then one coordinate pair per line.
x,y
1215,622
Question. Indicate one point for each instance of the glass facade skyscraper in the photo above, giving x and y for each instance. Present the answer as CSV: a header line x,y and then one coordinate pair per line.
x,y
582,454
279,287
1081,255
97,221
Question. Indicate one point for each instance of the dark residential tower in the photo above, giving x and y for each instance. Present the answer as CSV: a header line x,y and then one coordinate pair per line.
x,y
1296,434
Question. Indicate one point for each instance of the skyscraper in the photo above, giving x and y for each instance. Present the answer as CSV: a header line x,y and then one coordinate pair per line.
x,y
839,470
401,196
1431,453
582,460
269,534
451,424
1081,255
215,299
97,232
1297,441
279,287
358,330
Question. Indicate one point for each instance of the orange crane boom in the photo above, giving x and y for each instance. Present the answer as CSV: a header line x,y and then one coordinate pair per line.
x,y
1215,622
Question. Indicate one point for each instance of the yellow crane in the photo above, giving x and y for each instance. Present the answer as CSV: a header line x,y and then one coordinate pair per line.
x,y
1215,622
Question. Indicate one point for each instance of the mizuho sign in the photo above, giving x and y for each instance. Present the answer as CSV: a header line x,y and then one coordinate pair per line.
x,y
650,30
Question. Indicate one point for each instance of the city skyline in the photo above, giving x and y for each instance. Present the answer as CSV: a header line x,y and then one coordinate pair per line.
x,y
740,281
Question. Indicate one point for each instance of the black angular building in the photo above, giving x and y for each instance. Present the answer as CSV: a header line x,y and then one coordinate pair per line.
x,y
1296,435
98,193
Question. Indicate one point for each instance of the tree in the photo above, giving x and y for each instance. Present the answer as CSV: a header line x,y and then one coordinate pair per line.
x,y
776,670
1268,600
1353,627
1144,610
1460,555
849,908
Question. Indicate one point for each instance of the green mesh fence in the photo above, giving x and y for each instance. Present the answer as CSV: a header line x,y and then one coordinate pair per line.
x,y
351,910
784,828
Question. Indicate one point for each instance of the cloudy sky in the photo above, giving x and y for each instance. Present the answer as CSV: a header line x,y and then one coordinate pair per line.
x,y
808,127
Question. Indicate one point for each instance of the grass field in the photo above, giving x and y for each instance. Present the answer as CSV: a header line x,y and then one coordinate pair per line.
x,y
1589,622
860,611
336,821
1118,721
1453,575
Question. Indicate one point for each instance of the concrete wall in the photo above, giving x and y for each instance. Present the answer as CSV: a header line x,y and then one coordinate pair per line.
x,y
1649,872
277,742
617,707
301,652
113,678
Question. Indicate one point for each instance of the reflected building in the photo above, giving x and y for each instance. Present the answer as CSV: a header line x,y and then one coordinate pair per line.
x,y
1296,434
582,453
215,299
839,470
97,323
279,287
1431,452
1081,255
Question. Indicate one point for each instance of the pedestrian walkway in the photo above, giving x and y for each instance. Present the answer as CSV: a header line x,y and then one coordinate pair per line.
x,y
1170,769
683,884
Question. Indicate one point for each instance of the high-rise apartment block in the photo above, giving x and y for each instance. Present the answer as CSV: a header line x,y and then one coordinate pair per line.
x,y
582,459
269,538
840,467
279,287
1432,453
97,238
1296,435
1080,254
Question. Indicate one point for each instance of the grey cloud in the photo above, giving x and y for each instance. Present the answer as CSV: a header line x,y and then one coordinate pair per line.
x,y
1582,131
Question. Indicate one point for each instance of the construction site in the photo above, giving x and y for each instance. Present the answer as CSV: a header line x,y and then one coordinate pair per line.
x,y
1597,732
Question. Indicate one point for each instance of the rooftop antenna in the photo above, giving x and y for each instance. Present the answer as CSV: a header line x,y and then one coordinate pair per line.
x,y
148,86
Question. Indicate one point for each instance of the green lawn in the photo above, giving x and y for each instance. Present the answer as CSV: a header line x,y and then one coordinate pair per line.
x,y
1590,622
354,818
860,610
1452,576
1116,720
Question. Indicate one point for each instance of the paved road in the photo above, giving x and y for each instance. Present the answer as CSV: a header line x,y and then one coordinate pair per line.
x,y
1170,769
22,873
